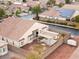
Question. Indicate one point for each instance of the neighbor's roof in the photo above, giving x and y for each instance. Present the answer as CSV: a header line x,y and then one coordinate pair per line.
x,y
59,12
60,1
32,3
50,13
71,6
14,28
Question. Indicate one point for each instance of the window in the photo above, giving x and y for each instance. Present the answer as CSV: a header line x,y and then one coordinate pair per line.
x,y
30,37
13,43
3,49
2,38
22,41
35,33
0,50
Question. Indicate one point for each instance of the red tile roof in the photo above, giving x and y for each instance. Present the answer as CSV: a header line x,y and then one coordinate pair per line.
x,y
14,28
51,13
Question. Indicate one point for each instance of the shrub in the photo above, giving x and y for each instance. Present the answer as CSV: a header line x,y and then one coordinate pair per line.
x,y
33,56
77,19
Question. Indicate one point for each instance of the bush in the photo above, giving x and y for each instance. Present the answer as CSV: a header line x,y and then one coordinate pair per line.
x,y
77,19
32,56
61,4
67,1
73,25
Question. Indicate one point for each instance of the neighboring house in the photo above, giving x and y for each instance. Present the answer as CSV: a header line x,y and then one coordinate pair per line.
x,y
23,6
18,32
74,0
59,13
71,6
15,6
3,48
60,1
32,3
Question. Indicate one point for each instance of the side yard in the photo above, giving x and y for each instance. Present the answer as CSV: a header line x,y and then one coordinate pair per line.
x,y
63,52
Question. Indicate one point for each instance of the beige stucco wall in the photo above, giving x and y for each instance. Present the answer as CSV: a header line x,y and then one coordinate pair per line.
x,y
34,27
5,52
61,18
10,41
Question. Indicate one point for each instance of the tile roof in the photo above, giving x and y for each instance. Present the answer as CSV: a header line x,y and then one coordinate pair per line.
x,y
51,13
60,1
58,12
32,3
14,28
71,6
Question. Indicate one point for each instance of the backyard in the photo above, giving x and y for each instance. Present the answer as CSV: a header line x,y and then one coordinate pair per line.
x,y
69,24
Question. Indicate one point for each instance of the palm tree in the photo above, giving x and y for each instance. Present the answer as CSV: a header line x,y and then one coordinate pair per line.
x,y
2,13
18,11
24,0
36,10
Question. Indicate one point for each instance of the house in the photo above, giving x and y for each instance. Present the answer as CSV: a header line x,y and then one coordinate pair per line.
x,y
15,6
74,0
60,1
18,32
74,6
59,13
3,48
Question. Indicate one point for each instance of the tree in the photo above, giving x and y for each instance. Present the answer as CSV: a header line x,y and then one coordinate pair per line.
x,y
24,0
9,3
2,13
61,4
18,11
77,18
50,2
67,1
36,10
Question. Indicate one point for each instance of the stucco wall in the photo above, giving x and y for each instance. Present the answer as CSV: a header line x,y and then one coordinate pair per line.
x,y
34,27
5,52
